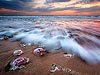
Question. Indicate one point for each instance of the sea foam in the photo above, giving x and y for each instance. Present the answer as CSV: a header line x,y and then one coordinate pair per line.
x,y
69,35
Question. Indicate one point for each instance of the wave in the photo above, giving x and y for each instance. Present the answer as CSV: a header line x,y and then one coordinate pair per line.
x,y
80,37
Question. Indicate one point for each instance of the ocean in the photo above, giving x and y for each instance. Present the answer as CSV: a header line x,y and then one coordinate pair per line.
x,y
77,34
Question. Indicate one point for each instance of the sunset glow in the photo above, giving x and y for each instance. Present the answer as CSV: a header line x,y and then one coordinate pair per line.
x,y
50,7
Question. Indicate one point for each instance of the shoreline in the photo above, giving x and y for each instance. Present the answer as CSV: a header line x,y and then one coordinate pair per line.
x,y
42,65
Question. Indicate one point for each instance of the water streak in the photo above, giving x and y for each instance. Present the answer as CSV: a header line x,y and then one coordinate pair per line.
x,y
80,36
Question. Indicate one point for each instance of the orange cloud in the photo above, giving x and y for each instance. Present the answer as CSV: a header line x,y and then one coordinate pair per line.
x,y
7,10
71,13
64,12
19,12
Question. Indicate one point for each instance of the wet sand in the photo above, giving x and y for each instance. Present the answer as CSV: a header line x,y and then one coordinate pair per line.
x,y
42,65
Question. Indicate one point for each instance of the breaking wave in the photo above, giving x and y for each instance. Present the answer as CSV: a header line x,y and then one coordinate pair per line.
x,y
79,36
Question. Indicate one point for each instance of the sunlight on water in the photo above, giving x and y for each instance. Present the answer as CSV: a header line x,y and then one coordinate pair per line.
x,y
80,36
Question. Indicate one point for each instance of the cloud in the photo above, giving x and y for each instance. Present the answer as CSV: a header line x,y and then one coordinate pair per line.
x,y
52,1
14,4
66,6
47,7
91,9
4,11
93,0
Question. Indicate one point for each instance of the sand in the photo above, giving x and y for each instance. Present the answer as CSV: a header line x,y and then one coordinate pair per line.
x,y
41,65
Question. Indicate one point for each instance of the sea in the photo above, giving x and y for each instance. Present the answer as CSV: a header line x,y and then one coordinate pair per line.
x,y
79,35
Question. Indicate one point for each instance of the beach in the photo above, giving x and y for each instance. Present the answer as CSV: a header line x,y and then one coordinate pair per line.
x,y
72,44
41,65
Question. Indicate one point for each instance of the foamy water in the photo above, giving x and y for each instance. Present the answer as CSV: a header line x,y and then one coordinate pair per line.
x,y
80,35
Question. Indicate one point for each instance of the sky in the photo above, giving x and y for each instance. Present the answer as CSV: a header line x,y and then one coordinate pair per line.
x,y
50,7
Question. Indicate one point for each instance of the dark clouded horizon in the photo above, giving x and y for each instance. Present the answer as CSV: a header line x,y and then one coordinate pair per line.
x,y
49,7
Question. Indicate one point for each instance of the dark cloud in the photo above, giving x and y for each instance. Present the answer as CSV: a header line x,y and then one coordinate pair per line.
x,y
93,0
42,9
14,4
10,13
47,9
91,9
24,0
51,1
